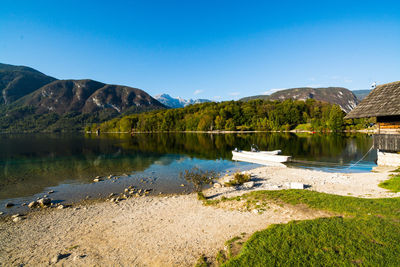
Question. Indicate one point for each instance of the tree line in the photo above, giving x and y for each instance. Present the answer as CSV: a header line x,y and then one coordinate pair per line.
x,y
258,114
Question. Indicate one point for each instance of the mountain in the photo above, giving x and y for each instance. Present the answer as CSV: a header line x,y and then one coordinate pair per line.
x,y
34,102
335,95
87,96
18,81
361,94
178,102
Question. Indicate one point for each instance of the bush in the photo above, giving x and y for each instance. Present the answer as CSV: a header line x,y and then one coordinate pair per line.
x,y
238,179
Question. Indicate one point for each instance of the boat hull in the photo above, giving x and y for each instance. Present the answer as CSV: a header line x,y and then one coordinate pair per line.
x,y
263,157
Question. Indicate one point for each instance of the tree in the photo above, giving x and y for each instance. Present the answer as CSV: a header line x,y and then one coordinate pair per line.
x,y
335,121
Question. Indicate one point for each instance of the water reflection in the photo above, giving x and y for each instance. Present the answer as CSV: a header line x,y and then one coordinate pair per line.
x,y
30,163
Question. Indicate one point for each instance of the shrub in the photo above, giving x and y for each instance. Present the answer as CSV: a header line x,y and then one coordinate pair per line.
x,y
238,179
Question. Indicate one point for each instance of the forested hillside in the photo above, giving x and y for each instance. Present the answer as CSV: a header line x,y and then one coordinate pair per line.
x,y
334,95
232,116
34,102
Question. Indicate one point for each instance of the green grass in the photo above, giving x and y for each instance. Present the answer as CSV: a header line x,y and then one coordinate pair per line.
x,y
392,184
202,262
238,179
367,235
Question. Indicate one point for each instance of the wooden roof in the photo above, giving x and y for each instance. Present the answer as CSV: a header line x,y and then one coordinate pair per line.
x,y
384,100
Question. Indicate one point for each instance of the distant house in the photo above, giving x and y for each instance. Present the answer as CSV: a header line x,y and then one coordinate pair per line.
x,y
383,103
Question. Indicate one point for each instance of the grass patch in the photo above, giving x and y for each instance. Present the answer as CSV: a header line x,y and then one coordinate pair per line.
x,y
201,196
202,262
238,179
392,184
369,234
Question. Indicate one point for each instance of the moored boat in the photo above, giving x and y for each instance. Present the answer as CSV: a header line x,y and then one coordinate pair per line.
x,y
260,157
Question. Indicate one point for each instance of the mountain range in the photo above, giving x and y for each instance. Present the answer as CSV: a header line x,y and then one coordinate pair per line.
x,y
361,94
177,102
343,97
33,101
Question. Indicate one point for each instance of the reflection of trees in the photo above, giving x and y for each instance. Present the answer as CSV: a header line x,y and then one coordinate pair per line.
x,y
214,146
30,163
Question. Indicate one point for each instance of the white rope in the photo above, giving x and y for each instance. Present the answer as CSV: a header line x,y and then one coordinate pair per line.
x,y
351,166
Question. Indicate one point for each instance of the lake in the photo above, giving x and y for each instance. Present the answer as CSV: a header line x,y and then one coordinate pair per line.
x,y
33,164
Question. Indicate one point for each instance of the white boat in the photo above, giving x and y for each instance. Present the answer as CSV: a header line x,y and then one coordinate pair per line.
x,y
260,157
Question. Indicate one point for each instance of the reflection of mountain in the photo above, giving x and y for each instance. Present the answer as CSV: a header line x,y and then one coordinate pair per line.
x,y
45,172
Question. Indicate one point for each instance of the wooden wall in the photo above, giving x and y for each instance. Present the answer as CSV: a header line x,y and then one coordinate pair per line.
x,y
387,142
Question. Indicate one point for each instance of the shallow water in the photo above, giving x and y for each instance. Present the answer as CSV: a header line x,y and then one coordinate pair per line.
x,y
33,164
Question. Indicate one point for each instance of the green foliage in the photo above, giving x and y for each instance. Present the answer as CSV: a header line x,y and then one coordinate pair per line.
x,y
369,236
232,116
335,121
25,119
238,179
202,262
393,184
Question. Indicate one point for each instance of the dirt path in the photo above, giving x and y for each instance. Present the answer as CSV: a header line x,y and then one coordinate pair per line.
x,y
151,231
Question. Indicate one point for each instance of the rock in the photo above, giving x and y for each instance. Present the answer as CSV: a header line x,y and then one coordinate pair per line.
x,y
16,215
182,185
59,257
60,207
44,201
248,185
17,219
126,190
96,180
217,185
111,195
110,176
50,192
45,196
255,211
23,204
296,185
33,204
1,213
9,205
78,257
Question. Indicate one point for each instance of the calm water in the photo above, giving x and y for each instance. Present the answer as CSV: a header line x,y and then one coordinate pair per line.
x,y
31,165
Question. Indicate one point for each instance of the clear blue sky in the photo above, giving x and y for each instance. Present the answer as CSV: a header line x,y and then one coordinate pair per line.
x,y
206,49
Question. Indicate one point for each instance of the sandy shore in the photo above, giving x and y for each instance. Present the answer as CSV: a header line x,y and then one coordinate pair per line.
x,y
346,184
163,231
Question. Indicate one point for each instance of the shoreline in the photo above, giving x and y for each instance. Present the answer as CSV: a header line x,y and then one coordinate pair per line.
x,y
365,131
166,230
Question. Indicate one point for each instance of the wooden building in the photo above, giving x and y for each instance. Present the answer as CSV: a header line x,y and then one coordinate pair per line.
x,y
383,103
